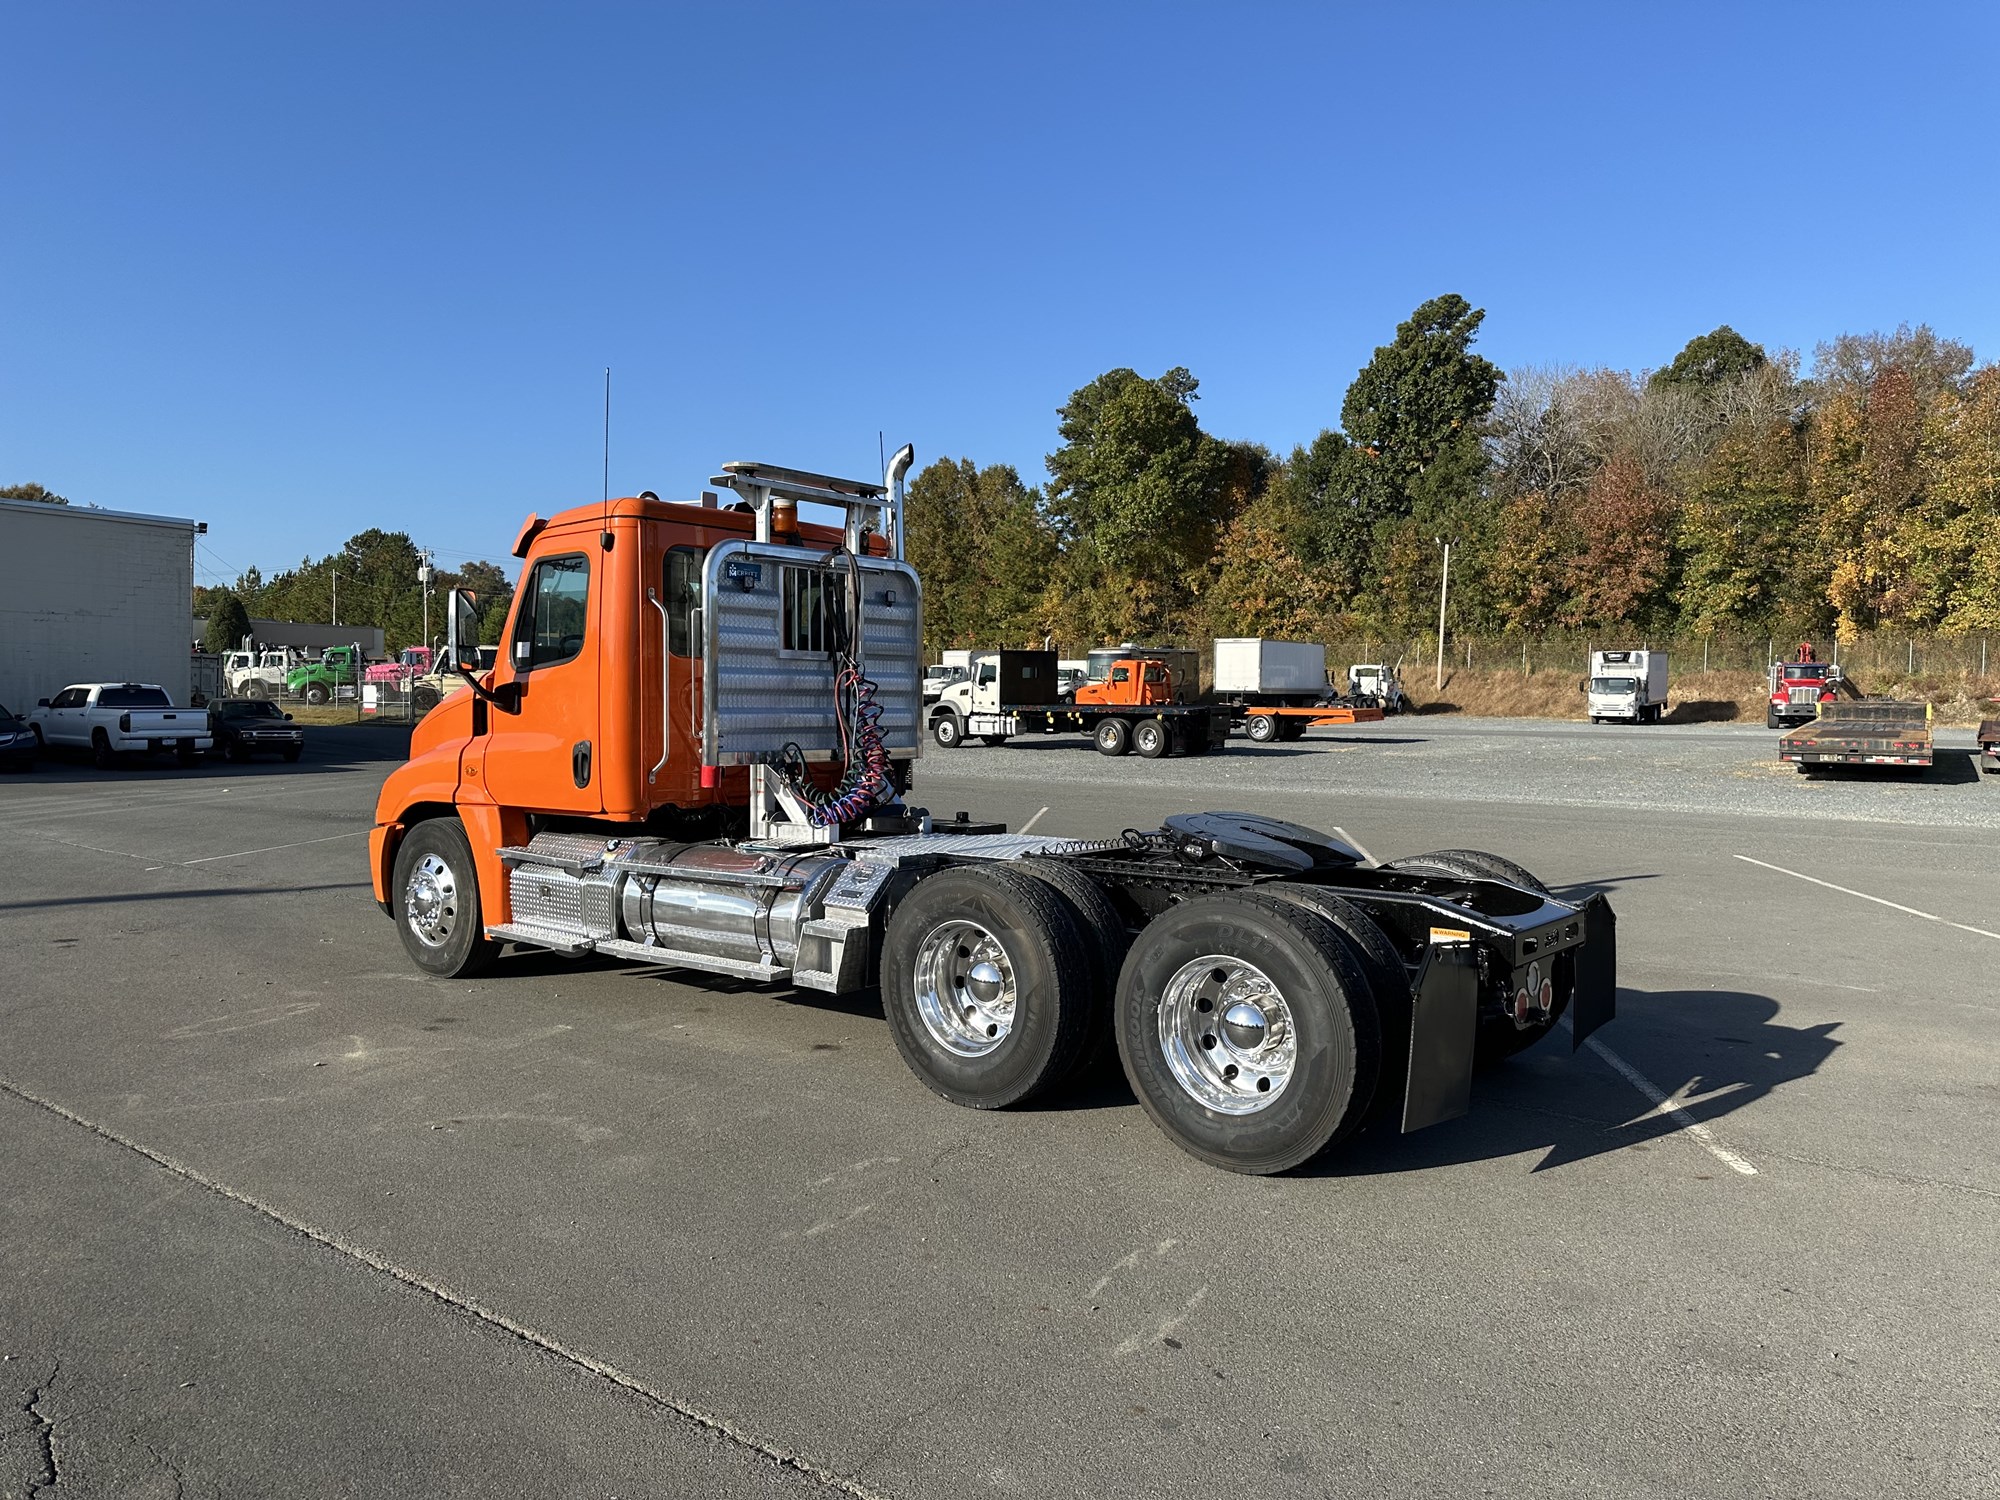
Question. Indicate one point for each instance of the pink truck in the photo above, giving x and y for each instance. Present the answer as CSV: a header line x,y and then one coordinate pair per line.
x,y
414,662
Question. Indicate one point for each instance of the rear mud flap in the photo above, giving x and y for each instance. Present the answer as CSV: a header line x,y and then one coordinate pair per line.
x,y
1596,998
1444,1024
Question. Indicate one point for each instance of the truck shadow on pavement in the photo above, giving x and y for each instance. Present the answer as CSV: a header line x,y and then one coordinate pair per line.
x,y
1949,767
1725,1052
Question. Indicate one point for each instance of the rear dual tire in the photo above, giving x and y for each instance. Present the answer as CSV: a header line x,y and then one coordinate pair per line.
x,y
986,985
1248,1031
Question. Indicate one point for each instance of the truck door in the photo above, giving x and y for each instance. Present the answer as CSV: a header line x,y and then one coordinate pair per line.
x,y
670,739
545,756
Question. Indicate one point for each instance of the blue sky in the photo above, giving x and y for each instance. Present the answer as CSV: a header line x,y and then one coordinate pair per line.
x,y
297,270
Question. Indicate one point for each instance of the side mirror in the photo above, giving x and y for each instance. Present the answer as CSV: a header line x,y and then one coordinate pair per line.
x,y
1583,687
461,641
288,718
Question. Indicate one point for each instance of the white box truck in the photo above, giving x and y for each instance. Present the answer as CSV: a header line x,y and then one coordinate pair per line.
x,y
1628,685
1280,674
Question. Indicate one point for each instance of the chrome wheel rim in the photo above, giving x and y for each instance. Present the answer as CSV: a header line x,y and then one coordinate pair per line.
x,y
430,901
965,989
1228,1034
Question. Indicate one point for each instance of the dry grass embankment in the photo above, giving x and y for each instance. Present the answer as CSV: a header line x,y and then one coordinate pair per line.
x,y
1692,697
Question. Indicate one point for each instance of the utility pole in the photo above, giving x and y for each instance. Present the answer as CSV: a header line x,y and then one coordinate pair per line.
x,y
336,596
424,578
1444,593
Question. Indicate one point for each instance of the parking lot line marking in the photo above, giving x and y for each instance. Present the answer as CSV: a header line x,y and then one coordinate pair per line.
x,y
1878,900
1662,1104
720,1426
209,859
1351,840
1029,825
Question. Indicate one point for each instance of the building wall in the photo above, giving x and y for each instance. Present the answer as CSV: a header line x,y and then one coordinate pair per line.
x,y
92,596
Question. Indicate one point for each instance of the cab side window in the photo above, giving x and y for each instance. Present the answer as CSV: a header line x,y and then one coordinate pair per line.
x,y
683,599
1121,674
549,627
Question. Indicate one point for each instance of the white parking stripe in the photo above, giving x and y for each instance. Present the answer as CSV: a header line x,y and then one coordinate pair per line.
x,y
1879,901
1688,1124
209,859
1029,825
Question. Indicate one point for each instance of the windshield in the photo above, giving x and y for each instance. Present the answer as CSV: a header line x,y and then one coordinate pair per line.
x,y
1614,684
248,708
134,697
8,719
1806,671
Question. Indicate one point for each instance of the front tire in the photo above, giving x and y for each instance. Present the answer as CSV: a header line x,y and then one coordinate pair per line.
x,y
985,985
1263,728
436,896
316,693
1248,1032
255,688
424,699
947,731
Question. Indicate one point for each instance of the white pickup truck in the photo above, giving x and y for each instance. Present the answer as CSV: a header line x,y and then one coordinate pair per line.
x,y
115,718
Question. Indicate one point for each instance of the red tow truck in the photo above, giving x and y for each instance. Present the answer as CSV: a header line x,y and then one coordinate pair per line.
x,y
1800,686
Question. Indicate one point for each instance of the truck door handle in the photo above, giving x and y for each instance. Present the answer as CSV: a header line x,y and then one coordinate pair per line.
x,y
579,763
666,683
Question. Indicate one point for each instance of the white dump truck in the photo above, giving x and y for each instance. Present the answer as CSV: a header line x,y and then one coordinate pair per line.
x,y
1627,685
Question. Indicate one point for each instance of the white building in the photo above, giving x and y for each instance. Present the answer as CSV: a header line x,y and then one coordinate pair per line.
x,y
92,596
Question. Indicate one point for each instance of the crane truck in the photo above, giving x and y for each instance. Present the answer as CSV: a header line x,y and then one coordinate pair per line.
x,y
695,750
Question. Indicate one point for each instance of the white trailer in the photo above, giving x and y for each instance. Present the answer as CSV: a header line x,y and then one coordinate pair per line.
x,y
1627,685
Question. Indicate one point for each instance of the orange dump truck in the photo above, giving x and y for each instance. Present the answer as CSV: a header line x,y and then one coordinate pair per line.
x,y
696,748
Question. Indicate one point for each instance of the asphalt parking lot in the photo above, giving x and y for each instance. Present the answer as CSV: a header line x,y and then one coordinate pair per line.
x,y
285,1218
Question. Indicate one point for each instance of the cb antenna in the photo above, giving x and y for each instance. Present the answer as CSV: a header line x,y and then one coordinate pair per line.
x,y
604,524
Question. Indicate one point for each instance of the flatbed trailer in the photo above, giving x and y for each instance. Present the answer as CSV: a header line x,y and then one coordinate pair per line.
x,y
1154,730
1864,732
1989,744
1267,724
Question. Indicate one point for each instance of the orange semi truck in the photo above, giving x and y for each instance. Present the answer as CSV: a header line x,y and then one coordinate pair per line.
x,y
695,750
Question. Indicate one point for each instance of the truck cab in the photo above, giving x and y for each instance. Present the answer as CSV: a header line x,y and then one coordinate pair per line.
x,y
1131,681
1798,688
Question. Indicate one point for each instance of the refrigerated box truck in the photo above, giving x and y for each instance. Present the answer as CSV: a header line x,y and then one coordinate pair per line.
x,y
1627,685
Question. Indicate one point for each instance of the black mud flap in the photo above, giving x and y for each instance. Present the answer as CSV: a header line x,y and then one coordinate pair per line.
x,y
1444,1024
1596,998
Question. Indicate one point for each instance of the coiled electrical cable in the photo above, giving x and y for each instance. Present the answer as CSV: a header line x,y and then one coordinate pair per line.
x,y
865,779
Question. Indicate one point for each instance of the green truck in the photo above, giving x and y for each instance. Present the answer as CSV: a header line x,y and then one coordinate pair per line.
x,y
319,681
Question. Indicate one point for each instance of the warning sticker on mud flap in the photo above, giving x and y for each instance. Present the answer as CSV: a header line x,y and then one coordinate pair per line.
x,y
1450,935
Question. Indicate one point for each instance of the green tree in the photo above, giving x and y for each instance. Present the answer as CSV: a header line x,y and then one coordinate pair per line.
x,y
1712,360
228,624
1421,400
1138,491
31,492
984,551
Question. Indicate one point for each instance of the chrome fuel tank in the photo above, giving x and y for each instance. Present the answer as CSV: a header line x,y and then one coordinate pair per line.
x,y
728,903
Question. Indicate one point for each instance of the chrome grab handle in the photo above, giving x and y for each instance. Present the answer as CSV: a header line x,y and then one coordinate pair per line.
x,y
666,683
